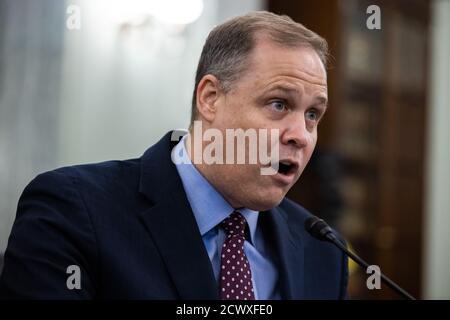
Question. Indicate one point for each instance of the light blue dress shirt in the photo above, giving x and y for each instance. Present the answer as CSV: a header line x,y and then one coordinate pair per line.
x,y
210,208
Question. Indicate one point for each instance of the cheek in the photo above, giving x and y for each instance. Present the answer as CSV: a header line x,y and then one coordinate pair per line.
x,y
227,113
244,114
248,176
313,143
313,140
309,149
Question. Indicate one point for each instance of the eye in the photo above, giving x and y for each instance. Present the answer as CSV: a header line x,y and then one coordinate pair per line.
x,y
278,105
312,114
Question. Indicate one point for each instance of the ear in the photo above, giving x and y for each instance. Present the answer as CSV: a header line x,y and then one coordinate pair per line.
x,y
208,92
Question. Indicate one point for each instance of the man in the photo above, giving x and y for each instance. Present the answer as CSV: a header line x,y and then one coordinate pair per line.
x,y
172,226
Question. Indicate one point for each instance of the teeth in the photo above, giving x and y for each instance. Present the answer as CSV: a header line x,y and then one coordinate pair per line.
x,y
285,163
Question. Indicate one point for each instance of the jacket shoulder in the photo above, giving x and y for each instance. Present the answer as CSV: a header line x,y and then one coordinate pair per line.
x,y
295,212
322,256
101,173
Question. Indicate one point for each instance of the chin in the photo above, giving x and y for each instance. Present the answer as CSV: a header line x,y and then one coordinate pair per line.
x,y
264,202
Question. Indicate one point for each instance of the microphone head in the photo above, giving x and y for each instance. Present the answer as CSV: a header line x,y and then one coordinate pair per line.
x,y
318,228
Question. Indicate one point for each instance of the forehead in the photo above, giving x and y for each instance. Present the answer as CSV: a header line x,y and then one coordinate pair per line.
x,y
270,62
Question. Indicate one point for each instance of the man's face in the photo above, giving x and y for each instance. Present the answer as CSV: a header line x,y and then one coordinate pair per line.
x,y
282,88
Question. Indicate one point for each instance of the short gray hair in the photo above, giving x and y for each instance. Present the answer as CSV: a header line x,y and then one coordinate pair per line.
x,y
229,44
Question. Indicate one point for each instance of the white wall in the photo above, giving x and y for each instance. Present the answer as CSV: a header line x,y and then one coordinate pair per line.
x,y
31,47
89,95
437,237
122,92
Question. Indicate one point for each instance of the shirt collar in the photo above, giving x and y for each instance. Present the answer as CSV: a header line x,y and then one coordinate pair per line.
x,y
208,205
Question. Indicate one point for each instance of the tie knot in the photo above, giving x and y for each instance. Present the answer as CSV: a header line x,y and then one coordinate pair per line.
x,y
235,224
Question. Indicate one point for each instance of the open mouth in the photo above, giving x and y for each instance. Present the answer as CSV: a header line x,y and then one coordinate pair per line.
x,y
286,167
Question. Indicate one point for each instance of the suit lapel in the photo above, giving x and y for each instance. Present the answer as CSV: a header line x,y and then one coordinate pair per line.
x,y
173,227
289,251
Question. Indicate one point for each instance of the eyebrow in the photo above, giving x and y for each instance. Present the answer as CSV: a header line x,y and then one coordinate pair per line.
x,y
284,88
290,91
322,100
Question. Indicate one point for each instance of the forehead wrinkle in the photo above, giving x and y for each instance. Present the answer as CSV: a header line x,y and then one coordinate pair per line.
x,y
290,77
285,87
286,69
300,86
317,76
316,80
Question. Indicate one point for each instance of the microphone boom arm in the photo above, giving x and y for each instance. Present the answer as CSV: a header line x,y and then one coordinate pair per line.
x,y
322,231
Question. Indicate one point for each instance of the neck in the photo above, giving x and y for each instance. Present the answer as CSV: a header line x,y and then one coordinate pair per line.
x,y
206,170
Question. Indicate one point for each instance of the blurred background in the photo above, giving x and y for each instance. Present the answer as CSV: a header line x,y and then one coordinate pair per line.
x,y
92,80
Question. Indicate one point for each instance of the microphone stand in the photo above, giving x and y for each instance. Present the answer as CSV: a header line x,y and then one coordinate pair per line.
x,y
391,284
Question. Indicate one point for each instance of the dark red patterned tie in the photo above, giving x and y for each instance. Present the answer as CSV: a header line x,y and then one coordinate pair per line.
x,y
235,273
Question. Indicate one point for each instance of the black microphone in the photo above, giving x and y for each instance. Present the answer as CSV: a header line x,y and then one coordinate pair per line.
x,y
321,230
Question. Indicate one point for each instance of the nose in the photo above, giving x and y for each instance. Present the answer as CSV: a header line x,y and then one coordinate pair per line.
x,y
296,133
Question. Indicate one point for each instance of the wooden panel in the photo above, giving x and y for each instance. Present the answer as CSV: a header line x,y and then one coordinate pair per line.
x,y
374,133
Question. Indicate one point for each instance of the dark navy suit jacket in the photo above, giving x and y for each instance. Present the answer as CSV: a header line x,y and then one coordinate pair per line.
x,y
129,227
